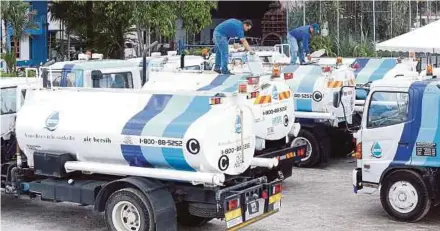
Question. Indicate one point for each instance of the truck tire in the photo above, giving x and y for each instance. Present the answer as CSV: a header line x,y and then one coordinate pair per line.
x,y
129,209
313,153
404,196
184,217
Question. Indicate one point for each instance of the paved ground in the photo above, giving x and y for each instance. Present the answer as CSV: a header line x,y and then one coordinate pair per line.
x,y
314,199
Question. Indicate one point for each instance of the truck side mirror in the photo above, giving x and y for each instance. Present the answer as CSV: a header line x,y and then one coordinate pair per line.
x,y
96,76
45,75
419,66
336,99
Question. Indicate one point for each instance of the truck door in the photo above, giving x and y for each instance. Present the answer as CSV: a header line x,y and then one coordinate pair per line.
x,y
386,132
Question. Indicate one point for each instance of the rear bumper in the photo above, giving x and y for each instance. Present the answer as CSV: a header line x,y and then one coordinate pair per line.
x,y
251,208
287,158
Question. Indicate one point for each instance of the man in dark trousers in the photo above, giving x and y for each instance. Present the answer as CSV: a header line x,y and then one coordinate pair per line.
x,y
299,40
225,30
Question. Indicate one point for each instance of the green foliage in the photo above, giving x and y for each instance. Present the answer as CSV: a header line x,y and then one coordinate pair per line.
x,y
18,16
155,14
320,42
103,24
10,60
7,74
196,15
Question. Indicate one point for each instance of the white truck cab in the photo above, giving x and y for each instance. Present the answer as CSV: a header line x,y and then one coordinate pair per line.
x,y
94,73
397,146
10,91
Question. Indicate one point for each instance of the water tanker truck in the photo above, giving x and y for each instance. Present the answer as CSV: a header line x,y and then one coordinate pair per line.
x,y
271,104
165,157
397,147
324,100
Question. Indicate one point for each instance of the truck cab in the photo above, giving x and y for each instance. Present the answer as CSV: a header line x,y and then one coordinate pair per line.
x,y
93,73
396,147
10,91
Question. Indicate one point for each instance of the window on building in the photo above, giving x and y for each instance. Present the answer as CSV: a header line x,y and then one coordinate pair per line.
x,y
116,80
387,108
17,51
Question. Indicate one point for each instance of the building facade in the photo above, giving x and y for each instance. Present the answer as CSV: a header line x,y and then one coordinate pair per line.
x,y
32,47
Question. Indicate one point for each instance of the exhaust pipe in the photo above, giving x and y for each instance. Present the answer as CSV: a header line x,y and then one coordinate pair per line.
x,y
163,174
264,162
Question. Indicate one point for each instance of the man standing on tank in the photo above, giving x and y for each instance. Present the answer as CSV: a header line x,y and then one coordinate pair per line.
x,y
222,33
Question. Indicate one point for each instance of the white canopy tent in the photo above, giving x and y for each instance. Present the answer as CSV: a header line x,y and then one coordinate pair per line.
x,y
424,39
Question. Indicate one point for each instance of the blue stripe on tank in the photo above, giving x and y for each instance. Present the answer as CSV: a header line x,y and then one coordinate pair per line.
x,y
362,62
219,80
380,72
133,153
306,86
178,127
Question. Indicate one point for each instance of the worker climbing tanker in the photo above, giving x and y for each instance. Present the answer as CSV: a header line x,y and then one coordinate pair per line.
x,y
180,131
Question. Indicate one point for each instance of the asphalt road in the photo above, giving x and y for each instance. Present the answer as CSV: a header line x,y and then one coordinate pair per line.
x,y
314,199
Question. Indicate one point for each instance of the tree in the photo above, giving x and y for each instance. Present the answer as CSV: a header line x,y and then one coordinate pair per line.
x,y
18,16
102,25
148,15
195,15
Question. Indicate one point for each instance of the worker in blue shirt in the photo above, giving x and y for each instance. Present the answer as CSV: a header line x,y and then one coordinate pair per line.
x,y
222,33
296,36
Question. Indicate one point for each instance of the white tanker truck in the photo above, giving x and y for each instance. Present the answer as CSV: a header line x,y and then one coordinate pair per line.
x,y
271,103
324,100
147,159
324,97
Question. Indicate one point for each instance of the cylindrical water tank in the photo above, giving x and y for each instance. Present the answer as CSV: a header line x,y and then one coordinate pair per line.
x,y
138,128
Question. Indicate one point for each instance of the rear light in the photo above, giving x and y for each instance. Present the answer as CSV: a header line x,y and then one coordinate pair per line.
x,y
216,100
276,189
276,71
338,60
242,88
300,152
253,80
429,69
264,195
355,66
232,204
327,69
253,95
288,76
358,153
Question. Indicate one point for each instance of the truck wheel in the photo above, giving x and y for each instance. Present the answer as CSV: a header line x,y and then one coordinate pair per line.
x,y
185,218
129,209
404,196
313,153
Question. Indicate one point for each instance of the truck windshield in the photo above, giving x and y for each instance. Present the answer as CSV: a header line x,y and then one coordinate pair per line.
x,y
8,100
71,78
387,108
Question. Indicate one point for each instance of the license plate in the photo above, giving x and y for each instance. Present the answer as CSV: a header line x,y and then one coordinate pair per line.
x,y
254,209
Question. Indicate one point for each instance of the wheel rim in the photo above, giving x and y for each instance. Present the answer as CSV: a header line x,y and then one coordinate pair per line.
x,y
126,217
302,141
403,197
